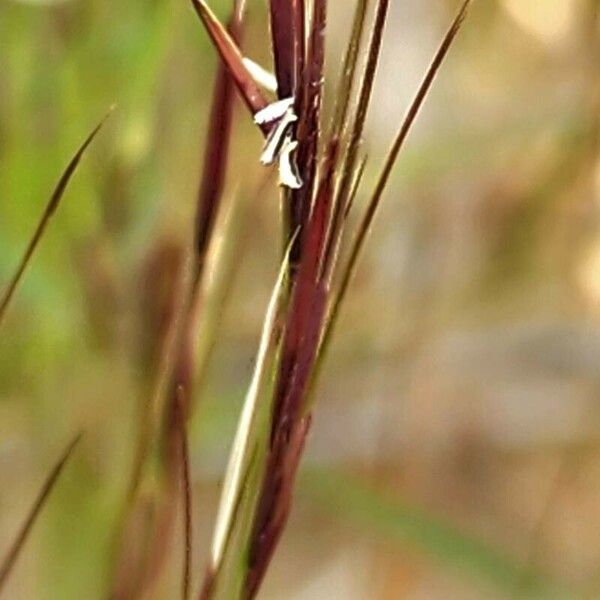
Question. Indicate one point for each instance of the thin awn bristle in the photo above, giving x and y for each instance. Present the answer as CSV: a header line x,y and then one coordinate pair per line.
x,y
360,171
342,99
386,171
274,111
356,130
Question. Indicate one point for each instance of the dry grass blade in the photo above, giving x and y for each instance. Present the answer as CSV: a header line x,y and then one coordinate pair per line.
x,y
225,575
49,211
231,55
289,427
242,446
17,545
384,176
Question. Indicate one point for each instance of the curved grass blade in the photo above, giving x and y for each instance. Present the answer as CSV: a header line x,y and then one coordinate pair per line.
x,y
353,500
231,55
43,495
384,176
49,211
247,457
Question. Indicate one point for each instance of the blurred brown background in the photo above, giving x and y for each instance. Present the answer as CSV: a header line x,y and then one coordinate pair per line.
x,y
456,436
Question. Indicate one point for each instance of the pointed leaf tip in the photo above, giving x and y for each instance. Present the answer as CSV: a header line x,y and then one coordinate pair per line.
x,y
231,55
50,209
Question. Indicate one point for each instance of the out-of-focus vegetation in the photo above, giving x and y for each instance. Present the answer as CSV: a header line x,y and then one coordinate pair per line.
x,y
463,382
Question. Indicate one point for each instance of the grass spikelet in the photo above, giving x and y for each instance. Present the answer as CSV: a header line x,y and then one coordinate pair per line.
x,y
330,168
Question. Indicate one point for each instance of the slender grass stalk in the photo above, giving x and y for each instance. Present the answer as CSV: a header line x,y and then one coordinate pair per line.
x,y
383,179
49,211
17,545
356,128
329,169
309,96
186,493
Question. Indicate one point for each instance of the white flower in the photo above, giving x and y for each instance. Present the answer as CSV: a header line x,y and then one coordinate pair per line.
x,y
280,144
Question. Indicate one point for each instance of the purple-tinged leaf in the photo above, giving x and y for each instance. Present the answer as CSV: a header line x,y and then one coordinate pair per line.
x,y
343,92
299,29
299,350
219,139
274,512
284,41
357,128
231,55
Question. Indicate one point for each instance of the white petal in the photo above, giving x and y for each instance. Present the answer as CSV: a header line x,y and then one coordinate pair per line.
x,y
288,171
261,75
273,111
276,138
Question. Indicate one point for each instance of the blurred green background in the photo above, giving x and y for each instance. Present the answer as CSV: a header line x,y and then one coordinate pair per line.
x,y
456,437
